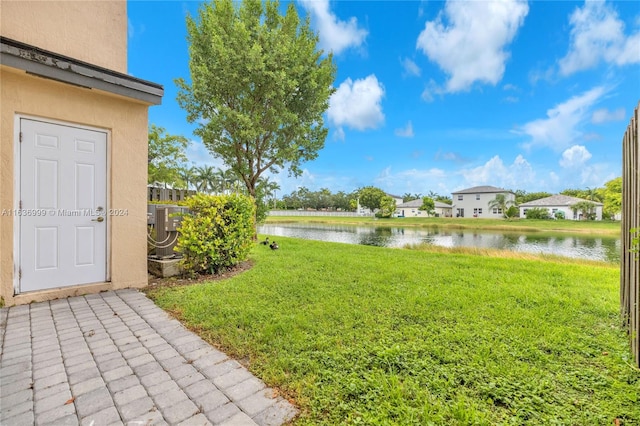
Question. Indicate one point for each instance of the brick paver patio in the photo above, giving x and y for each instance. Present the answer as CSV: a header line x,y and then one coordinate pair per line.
x,y
116,358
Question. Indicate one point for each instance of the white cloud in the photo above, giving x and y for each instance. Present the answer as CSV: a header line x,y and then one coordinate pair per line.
x,y
357,104
411,68
603,115
412,180
406,132
431,90
468,40
509,86
560,128
597,35
450,156
335,35
574,157
339,134
494,172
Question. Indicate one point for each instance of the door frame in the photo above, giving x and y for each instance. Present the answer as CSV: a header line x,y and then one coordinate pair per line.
x,y
16,190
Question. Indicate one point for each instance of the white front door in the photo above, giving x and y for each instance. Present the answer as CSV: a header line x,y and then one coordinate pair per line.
x,y
63,195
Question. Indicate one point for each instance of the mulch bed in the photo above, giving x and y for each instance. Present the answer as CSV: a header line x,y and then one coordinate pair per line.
x,y
155,282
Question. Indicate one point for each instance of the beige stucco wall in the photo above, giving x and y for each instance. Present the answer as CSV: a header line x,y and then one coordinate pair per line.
x,y
126,120
93,31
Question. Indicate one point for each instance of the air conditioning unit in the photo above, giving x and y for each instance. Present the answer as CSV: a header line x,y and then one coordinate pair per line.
x,y
165,220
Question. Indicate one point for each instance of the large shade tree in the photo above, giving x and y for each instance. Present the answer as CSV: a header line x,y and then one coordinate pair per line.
x,y
259,87
370,197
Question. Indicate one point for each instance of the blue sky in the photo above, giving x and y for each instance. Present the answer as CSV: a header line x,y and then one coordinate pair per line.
x,y
443,95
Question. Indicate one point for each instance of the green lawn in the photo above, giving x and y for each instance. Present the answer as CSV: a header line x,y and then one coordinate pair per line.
x,y
359,334
516,225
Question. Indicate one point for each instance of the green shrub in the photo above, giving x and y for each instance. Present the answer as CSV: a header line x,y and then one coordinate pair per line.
x,y
559,215
217,233
537,213
512,212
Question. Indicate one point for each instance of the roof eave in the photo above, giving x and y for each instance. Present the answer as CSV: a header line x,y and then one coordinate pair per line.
x,y
61,68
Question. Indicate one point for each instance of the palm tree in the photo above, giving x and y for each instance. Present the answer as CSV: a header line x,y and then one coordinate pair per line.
x,y
187,176
501,203
269,189
586,209
205,179
231,180
593,194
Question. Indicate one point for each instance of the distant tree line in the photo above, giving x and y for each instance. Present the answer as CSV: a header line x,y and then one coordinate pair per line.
x,y
168,167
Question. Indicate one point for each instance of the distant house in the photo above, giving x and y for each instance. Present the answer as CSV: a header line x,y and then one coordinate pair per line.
x,y
562,203
367,211
398,198
412,209
474,202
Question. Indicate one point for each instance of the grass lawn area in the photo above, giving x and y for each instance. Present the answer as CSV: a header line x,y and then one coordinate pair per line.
x,y
516,225
359,334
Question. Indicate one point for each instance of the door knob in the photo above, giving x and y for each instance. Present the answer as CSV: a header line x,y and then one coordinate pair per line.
x,y
98,219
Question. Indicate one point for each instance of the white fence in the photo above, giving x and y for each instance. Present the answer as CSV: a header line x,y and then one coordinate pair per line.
x,y
315,213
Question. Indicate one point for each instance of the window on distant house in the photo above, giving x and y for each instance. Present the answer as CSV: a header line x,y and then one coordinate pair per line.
x,y
497,210
554,211
477,196
460,197
477,211
524,211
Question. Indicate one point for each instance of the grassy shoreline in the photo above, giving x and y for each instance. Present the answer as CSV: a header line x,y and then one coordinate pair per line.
x,y
518,225
360,334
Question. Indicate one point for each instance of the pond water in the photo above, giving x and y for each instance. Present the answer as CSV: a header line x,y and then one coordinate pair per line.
x,y
582,247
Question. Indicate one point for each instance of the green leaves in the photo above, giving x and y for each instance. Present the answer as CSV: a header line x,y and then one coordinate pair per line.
x,y
217,233
166,154
387,206
428,205
259,83
370,197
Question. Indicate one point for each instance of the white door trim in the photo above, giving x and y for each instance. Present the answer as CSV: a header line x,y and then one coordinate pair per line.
x,y
17,195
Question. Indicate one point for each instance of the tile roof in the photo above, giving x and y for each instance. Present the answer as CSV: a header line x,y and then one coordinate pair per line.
x,y
483,189
556,200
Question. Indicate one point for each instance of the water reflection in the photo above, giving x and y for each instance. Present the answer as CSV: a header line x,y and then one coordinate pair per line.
x,y
584,247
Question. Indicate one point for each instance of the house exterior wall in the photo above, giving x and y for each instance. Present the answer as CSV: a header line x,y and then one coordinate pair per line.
x,y
126,122
411,212
90,31
443,211
416,212
568,212
477,205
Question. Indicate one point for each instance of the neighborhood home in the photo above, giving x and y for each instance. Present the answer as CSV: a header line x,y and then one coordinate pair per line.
x,y
474,202
561,203
412,209
73,151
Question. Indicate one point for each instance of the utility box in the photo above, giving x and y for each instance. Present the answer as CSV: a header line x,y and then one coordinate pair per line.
x,y
151,214
165,219
172,218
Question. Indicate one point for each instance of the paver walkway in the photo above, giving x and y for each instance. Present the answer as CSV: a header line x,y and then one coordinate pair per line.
x,y
116,358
